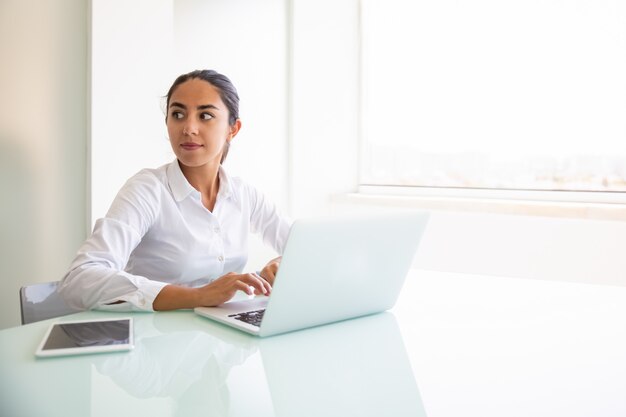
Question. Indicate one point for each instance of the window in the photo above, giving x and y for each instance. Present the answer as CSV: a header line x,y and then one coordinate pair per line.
x,y
492,94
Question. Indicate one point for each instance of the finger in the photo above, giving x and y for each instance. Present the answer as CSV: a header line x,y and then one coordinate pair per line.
x,y
269,277
273,269
264,286
269,274
267,286
243,286
259,283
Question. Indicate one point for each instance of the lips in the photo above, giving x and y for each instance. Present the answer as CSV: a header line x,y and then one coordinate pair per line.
x,y
190,146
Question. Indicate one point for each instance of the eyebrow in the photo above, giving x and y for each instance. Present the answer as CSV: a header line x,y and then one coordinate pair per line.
x,y
201,107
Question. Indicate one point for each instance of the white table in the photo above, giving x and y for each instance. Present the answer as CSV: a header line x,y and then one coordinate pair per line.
x,y
454,345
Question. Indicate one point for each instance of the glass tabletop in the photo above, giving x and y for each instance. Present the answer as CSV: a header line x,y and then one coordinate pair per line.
x,y
453,345
185,365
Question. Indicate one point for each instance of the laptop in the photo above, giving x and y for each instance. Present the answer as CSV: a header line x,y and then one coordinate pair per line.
x,y
333,269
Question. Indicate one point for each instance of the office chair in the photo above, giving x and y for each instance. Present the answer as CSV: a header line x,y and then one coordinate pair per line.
x,y
42,301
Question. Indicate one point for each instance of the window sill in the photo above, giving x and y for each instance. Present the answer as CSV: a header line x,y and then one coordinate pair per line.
x,y
608,207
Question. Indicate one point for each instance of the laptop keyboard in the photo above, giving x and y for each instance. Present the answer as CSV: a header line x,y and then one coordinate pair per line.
x,y
251,317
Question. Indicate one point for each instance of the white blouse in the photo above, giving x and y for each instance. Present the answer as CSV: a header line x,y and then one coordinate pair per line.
x,y
158,232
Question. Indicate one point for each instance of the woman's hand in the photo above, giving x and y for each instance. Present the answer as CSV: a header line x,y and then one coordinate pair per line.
x,y
225,287
270,270
174,297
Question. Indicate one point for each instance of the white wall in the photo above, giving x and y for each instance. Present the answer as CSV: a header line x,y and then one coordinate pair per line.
x,y
131,59
43,129
324,103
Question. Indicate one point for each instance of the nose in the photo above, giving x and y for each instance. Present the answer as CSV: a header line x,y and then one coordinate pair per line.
x,y
190,128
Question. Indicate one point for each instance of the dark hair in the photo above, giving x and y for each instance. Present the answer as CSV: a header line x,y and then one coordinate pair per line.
x,y
225,88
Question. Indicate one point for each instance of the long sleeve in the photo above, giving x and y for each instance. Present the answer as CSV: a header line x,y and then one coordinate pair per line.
x,y
267,220
96,277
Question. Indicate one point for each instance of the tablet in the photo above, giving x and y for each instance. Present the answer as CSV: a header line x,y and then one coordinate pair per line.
x,y
87,336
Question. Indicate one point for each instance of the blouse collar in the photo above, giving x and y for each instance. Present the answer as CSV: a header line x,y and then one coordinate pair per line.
x,y
181,188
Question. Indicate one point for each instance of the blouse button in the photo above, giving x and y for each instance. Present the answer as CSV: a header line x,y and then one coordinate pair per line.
x,y
220,258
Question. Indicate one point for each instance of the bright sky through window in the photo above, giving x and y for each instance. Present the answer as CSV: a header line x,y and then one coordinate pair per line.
x,y
518,94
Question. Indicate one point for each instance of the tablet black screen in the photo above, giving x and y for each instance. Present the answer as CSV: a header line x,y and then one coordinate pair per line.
x,y
97,333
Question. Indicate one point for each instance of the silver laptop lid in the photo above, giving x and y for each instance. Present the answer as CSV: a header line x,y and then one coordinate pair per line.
x,y
339,268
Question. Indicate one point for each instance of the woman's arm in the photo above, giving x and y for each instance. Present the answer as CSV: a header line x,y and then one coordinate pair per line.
x,y
174,297
96,277
267,220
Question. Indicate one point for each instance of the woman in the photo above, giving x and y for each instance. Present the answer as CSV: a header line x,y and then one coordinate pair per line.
x,y
176,236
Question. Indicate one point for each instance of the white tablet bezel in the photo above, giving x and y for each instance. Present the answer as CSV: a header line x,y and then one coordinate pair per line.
x,y
40,352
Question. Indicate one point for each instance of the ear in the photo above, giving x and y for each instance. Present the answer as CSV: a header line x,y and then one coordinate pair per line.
x,y
234,129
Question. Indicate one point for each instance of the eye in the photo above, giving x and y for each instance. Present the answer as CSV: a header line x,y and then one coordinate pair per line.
x,y
206,116
177,114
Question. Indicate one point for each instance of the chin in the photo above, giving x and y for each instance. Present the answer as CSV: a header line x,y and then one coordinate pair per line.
x,y
194,162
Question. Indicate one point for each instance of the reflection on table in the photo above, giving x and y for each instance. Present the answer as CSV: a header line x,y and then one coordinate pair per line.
x,y
184,365
474,345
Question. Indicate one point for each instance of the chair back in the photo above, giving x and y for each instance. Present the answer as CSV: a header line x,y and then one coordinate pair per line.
x,y
42,301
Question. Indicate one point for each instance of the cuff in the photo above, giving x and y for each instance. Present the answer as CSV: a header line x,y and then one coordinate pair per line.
x,y
140,300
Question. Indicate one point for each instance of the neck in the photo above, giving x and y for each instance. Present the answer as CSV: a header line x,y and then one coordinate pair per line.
x,y
205,179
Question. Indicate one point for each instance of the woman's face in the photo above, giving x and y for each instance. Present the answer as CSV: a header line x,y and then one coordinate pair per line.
x,y
197,123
